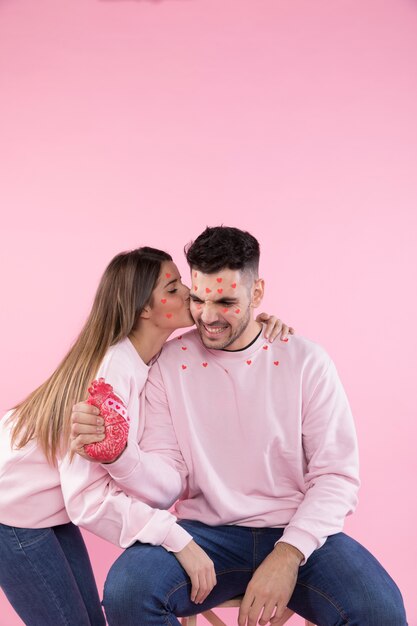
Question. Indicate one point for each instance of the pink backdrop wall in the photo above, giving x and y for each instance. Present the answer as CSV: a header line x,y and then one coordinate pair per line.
x,y
135,122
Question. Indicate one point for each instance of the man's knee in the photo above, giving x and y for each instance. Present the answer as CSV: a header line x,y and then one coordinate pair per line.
x,y
386,607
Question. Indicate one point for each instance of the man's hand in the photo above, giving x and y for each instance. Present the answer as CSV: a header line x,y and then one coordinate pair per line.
x,y
200,569
274,327
86,427
271,587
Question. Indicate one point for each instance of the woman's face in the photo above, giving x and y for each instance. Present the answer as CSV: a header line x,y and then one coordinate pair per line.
x,y
170,307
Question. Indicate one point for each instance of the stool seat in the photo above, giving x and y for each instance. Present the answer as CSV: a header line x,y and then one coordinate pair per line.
x,y
213,619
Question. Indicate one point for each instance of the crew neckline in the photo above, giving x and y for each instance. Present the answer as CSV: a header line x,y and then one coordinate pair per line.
x,y
236,355
246,347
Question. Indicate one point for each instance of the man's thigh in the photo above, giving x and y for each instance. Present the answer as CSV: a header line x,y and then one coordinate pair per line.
x,y
343,583
146,579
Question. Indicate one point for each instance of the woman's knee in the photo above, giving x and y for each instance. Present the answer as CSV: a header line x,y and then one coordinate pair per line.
x,y
135,582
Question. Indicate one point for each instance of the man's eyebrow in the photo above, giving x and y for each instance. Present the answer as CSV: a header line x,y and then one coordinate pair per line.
x,y
224,300
219,301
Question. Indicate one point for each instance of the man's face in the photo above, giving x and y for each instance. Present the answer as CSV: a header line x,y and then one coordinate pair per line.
x,y
221,305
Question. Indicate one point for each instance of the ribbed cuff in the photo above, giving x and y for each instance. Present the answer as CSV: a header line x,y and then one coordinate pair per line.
x,y
300,539
125,464
176,539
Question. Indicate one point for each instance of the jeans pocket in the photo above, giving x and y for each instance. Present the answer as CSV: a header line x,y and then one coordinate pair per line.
x,y
29,536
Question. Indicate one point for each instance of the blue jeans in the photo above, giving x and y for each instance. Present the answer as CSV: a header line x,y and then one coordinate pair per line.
x,y
47,576
341,583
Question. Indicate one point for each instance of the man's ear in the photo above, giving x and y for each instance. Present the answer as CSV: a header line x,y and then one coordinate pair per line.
x,y
258,290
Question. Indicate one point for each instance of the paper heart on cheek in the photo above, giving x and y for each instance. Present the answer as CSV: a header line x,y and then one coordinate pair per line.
x,y
116,422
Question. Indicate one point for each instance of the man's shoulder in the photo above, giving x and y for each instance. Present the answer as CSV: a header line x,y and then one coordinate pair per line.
x,y
305,350
175,347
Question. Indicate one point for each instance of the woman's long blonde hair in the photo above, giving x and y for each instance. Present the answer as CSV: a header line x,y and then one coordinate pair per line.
x,y
125,289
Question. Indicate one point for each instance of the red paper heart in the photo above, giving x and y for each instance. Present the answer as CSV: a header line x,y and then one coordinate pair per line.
x,y
117,406
184,367
234,285
220,291
249,362
164,300
208,290
237,311
168,275
183,348
225,310
266,347
219,280
110,402
276,362
169,315
180,337
204,364
284,340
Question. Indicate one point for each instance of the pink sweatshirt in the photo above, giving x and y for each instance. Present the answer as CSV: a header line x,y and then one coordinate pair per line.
x,y
102,498
32,490
266,434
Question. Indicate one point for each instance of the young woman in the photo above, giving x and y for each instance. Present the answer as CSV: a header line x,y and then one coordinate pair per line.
x,y
44,567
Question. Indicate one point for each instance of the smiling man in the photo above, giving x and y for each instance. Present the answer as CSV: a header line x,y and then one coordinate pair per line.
x,y
264,437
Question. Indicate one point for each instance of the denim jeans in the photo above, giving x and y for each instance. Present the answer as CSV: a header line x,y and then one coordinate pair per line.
x,y
47,576
341,583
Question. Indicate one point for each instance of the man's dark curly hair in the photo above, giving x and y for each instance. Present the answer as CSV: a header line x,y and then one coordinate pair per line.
x,y
222,247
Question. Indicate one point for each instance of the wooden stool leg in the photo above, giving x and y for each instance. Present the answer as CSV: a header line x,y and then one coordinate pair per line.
x,y
189,621
213,619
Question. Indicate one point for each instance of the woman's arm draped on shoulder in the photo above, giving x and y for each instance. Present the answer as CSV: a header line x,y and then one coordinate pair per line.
x,y
119,508
159,435
156,461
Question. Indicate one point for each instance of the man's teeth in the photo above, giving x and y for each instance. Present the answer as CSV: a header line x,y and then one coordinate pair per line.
x,y
214,331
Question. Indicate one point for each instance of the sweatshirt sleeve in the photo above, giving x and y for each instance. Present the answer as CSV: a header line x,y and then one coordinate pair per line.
x,y
159,435
331,477
95,502
148,477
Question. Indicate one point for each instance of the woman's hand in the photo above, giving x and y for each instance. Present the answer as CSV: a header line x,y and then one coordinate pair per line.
x,y
87,426
274,327
200,569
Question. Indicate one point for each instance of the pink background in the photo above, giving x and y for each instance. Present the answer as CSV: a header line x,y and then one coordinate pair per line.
x,y
125,123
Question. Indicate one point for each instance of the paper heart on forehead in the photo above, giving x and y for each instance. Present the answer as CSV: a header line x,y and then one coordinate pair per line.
x,y
116,426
